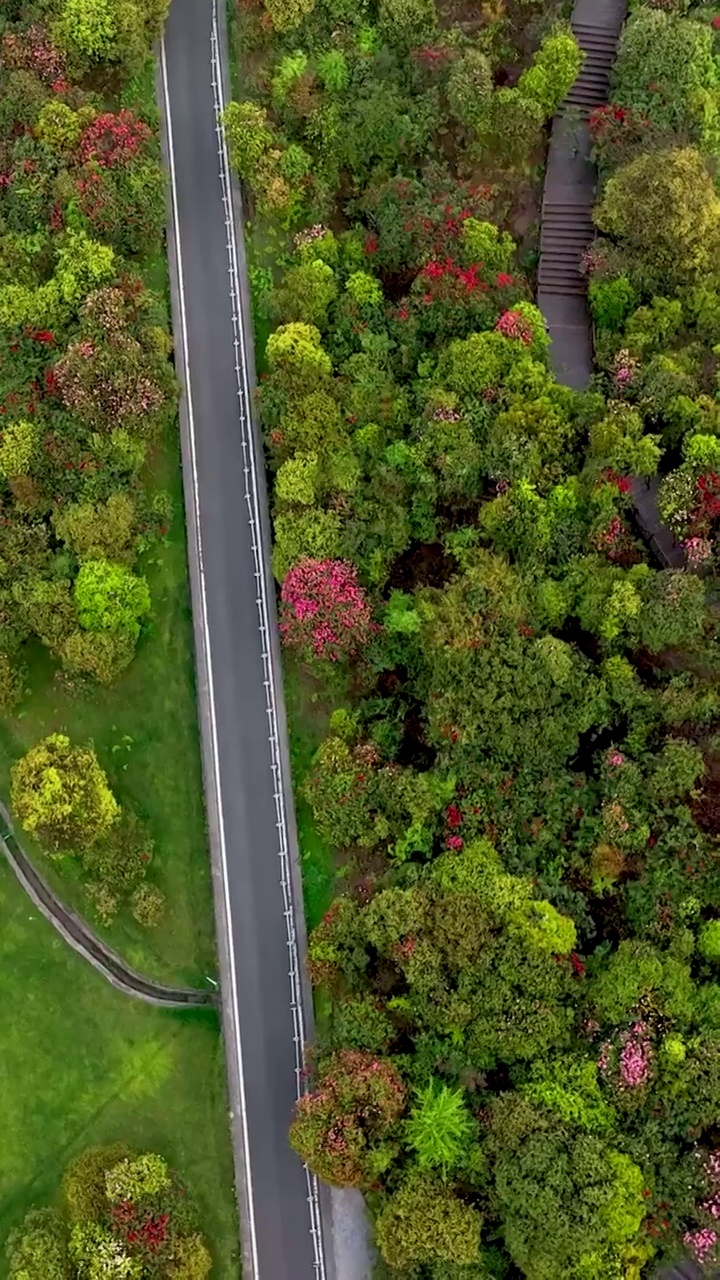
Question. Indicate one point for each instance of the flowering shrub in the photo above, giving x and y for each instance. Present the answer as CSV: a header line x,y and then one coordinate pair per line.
x,y
617,133
32,50
324,613
342,1125
113,139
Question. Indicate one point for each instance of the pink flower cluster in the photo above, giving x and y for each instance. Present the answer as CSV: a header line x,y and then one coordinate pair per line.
x,y
324,610
512,324
625,369
635,1061
698,551
701,1243
615,759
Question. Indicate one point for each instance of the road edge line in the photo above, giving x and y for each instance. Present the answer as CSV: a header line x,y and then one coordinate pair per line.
x,y
204,695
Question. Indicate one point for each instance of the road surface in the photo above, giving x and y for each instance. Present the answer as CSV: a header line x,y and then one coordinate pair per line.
x,y
257,894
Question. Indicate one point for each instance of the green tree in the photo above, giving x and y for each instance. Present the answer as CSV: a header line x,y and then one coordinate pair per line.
x,y
554,70
666,69
38,1250
249,136
61,795
664,210
288,14
296,350
407,22
470,89
111,598
426,1222
109,31
99,531
439,1128
83,1183
569,1206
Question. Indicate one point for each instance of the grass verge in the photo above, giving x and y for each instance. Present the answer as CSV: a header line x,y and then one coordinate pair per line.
x,y
83,1064
145,731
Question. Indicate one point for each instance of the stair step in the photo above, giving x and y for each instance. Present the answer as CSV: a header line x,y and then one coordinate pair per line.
x,y
586,98
593,71
567,270
582,222
562,290
591,43
570,236
598,35
598,87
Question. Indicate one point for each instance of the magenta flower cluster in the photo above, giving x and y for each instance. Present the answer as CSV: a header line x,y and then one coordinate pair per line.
x,y
323,610
635,1062
701,1243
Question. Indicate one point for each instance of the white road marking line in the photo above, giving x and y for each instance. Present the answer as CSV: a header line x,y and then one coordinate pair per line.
x,y
208,659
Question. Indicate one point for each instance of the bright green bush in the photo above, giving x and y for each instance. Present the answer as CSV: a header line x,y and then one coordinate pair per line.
x,y
663,208
554,70
666,69
61,795
611,302
110,597
439,1128
709,940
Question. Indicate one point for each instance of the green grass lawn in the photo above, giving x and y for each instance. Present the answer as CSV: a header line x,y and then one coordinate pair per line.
x,y
81,1064
307,723
145,732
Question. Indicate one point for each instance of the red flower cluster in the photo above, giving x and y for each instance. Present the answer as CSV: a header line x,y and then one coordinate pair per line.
x,y
453,815
613,128
622,483
708,508
468,276
514,325
113,139
433,57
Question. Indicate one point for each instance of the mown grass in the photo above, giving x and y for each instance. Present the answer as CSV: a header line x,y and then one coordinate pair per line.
x,y
81,1064
307,723
145,732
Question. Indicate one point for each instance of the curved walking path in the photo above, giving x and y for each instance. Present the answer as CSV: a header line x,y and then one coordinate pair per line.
x,y
78,934
567,227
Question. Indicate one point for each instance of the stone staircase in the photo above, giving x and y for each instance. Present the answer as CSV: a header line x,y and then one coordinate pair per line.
x,y
567,228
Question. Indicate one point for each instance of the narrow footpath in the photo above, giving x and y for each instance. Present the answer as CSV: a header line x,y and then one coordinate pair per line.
x,y
567,231
77,933
567,228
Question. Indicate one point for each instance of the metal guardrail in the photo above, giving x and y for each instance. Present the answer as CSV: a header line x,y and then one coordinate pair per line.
x,y
271,676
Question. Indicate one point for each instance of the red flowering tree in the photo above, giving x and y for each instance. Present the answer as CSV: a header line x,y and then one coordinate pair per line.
x,y
411,221
339,1127
113,139
324,612
618,133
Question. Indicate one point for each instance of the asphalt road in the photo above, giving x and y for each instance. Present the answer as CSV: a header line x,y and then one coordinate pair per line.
x,y
241,759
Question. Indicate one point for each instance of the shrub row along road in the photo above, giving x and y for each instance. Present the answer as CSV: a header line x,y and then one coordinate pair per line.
x,y
247,777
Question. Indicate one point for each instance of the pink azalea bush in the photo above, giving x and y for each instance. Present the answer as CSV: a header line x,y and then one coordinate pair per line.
x,y
324,611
